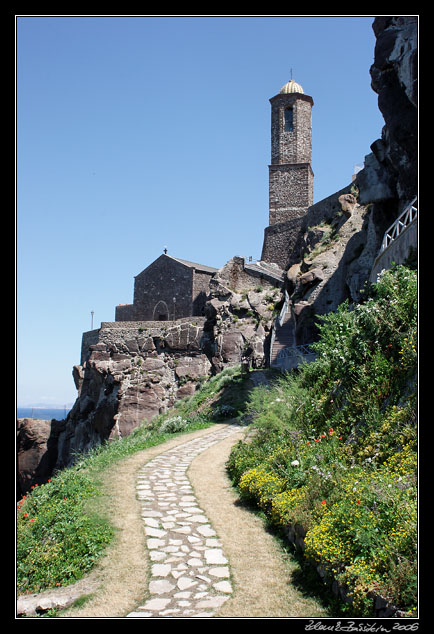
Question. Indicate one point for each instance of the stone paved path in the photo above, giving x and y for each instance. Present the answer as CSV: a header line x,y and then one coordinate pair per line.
x,y
190,575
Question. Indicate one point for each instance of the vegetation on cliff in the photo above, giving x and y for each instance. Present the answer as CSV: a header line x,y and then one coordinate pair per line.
x,y
333,449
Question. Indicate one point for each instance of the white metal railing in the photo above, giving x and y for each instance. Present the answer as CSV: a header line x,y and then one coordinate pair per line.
x,y
284,309
295,351
292,356
408,215
278,322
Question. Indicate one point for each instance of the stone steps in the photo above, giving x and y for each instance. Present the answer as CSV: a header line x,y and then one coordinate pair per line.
x,y
284,337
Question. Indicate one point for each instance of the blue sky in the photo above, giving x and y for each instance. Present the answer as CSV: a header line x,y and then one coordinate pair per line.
x,y
140,132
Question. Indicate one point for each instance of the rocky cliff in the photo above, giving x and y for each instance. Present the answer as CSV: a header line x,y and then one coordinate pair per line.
x,y
392,168
132,371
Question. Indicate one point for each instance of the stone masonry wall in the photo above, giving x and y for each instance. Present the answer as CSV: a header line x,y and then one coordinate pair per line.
x,y
236,278
398,251
291,191
326,209
293,146
157,286
125,312
165,291
283,243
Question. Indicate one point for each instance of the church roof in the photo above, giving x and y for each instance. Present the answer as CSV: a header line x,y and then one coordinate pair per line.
x,y
194,265
291,86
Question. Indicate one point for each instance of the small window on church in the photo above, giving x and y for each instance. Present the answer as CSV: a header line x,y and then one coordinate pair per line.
x,y
289,123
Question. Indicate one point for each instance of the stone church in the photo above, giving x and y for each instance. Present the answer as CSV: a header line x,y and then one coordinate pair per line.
x,y
168,289
171,288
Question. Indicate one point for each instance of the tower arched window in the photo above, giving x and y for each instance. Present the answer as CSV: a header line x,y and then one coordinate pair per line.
x,y
289,119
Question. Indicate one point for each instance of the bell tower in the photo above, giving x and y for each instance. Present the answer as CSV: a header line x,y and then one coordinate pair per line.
x,y
290,172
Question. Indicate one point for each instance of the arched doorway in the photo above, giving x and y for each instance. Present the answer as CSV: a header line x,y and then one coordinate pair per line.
x,y
161,311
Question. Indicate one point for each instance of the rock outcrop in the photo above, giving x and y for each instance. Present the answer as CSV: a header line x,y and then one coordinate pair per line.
x,y
341,240
36,451
132,372
391,171
240,312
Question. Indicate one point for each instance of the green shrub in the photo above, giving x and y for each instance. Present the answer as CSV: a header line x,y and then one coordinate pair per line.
x,y
333,446
173,425
59,538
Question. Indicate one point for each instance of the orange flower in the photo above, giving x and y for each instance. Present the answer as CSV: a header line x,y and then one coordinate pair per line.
x,y
324,502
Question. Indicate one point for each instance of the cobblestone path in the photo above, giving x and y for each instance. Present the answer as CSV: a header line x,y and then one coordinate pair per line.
x,y
190,575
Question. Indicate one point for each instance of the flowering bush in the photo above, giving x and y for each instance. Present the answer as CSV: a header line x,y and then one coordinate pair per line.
x,y
260,485
369,534
284,505
58,539
173,425
408,351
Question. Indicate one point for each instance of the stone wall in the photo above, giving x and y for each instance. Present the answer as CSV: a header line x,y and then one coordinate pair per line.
x,y
88,339
156,287
237,275
283,243
125,312
291,146
326,209
398,251
290,190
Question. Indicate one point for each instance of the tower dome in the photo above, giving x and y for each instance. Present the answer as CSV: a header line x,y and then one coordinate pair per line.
x,y
291,86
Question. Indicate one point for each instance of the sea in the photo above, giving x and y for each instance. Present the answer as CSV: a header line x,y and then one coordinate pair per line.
x,y
41,413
